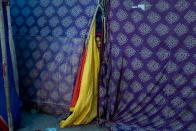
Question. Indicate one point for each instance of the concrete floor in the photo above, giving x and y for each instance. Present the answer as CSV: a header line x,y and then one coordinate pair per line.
x,y
33,121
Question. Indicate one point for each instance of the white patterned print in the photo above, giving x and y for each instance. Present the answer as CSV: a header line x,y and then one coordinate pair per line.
x,y
162,29
162,6
181,54
153,17
62,11
136,64
129,27
171,42
144,29
122,39
190,42
163,54
136,86
181,5
129,52
153,65
180,29
144,76
190,16
136,16
145,53
121,15
172,17
136,40
49,11
169,90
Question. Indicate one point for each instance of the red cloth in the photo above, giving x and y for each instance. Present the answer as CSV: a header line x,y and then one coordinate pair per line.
x,y
3,125
99,34
78,83
6,0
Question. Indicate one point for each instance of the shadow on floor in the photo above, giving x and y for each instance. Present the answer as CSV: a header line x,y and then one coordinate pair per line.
x,y
34,121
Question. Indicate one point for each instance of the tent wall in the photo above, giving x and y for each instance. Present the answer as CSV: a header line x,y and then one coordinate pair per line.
x,y
148,78
49,38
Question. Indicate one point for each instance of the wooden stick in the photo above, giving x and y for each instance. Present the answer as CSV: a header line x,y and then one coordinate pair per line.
x,y
12,50
5,68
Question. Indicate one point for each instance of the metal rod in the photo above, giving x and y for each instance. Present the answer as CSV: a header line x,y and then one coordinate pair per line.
x,y
5,68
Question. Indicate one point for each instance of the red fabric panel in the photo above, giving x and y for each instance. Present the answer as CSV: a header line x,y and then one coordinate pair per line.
x,y
3,125
79,79
6,0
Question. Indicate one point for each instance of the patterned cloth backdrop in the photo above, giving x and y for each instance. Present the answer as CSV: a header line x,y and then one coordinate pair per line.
x,y
49,39
149,76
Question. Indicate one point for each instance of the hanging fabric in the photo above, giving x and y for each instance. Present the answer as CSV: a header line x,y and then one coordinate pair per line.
x,y
78,83
148,80
49,38
85,109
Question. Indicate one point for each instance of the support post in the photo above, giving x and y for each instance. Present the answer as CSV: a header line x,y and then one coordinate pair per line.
x,y
5,68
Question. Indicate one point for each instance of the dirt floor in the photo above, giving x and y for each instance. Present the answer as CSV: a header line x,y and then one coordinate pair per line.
x,y
34,121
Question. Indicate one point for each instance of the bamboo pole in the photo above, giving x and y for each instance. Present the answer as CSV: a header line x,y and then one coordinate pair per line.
x,y
12,50
5,68
104,21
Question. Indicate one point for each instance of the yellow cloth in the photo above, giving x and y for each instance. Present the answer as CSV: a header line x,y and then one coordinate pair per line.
x,y
86,107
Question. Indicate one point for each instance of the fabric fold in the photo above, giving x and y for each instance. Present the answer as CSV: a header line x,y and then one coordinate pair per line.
x,y
78,83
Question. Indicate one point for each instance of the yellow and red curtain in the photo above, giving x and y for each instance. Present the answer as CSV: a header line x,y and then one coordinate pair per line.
x,y
84,103
78,83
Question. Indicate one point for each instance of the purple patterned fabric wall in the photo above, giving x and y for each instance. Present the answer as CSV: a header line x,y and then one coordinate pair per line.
x,y
49,39
148,81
